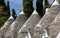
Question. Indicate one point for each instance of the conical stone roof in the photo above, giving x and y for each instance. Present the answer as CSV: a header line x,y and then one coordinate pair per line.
x,y
46,20
17,24
7,23
49,16
54,28
30,23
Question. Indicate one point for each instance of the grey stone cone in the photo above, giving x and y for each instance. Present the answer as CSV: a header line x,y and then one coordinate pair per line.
x,y
47,19
29,25
54,28
49,16
6,25
16,25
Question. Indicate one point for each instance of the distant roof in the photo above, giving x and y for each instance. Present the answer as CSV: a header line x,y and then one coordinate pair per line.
x,y
31,22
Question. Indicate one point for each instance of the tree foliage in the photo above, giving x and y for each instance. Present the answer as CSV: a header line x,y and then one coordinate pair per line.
x,y
8,8
28,7
2,20
46,3
14,14
2,2
1,8
39,7
4,15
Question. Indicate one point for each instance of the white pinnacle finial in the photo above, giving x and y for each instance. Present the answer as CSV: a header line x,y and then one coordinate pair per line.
x,y
55,2
35,12
46,10
11,17
22,12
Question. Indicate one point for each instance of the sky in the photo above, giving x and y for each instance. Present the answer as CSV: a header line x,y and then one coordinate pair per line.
x,y
17,4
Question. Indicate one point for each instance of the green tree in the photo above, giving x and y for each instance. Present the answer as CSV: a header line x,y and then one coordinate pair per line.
x,y
28,7
2,2
1,8
46,3
8,8
59,1
14,14
3,13
39,7
2,20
